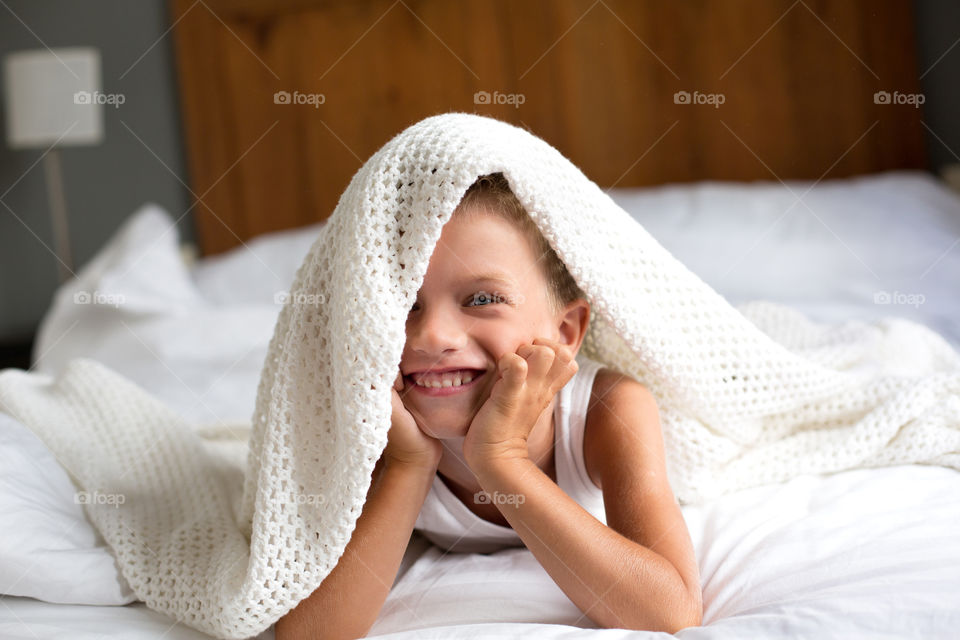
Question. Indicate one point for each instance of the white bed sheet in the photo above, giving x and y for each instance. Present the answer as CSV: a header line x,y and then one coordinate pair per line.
x,y
870,553
814,557
866,553
29,619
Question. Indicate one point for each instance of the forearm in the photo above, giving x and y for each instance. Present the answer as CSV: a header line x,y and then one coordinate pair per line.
x,y
616,582
348,601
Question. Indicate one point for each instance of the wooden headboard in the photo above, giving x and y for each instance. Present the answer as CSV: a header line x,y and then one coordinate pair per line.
x,y
775,89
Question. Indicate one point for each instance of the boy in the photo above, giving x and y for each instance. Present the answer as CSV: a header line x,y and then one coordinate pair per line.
x,y
491,340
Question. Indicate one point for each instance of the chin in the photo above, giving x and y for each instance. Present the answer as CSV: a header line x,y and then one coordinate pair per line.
x,y
446,427
447,432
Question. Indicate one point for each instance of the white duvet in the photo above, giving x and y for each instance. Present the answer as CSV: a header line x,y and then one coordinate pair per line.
x,y
866,553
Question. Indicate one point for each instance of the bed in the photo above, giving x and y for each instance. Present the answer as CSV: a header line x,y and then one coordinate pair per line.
x,y
864,553
821,206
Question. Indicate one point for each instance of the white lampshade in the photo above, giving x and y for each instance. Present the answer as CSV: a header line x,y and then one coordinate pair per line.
x,y
49,92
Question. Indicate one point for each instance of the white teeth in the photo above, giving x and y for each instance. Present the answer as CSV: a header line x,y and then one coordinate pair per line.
x,y
454,379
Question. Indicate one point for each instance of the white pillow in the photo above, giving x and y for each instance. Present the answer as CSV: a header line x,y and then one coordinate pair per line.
x,y
832,256
135,308
258,272
48,548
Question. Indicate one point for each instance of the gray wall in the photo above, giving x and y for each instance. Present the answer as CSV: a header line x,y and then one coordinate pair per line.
x,y
104,184
938,44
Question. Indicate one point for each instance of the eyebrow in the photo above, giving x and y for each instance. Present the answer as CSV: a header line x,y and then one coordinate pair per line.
x,y
499,278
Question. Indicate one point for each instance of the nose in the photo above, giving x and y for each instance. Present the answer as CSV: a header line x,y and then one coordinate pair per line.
x,y
435,330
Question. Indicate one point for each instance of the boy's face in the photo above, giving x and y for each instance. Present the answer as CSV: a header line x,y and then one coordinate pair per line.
x,y
484,294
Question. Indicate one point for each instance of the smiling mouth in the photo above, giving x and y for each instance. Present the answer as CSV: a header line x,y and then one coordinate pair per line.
x,y
449,383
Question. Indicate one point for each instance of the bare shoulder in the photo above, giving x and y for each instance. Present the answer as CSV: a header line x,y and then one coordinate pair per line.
x,y
622,416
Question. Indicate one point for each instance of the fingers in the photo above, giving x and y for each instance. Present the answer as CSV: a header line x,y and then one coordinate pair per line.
x,y
529,378
513,369
395,400
512,373
539,359
557,365
563,352
396,405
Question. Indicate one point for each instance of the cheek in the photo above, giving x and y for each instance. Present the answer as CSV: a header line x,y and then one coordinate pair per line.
x,y
506,338
538,321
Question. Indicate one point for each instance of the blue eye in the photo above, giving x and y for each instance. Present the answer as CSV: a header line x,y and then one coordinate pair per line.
x,y
482,298
479,298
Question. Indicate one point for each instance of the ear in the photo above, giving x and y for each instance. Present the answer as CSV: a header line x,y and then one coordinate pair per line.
x,y
573,321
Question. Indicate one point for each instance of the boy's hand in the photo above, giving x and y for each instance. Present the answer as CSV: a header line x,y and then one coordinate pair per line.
x,y
529,379
406,441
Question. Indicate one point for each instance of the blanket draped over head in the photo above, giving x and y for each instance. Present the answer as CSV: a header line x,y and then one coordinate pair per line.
x,y
749,395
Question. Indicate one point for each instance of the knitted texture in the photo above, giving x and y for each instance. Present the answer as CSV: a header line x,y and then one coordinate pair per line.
x,y
746,397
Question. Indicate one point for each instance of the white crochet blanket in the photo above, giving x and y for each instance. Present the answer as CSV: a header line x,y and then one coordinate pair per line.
x,y
749,396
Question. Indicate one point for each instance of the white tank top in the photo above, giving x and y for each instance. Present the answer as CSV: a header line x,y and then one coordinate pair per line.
x,y
449,524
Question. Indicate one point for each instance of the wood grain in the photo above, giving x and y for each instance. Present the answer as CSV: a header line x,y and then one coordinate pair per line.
x,y
597,79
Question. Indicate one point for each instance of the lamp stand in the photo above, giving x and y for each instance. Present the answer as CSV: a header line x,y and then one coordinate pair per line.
x,y
58,213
